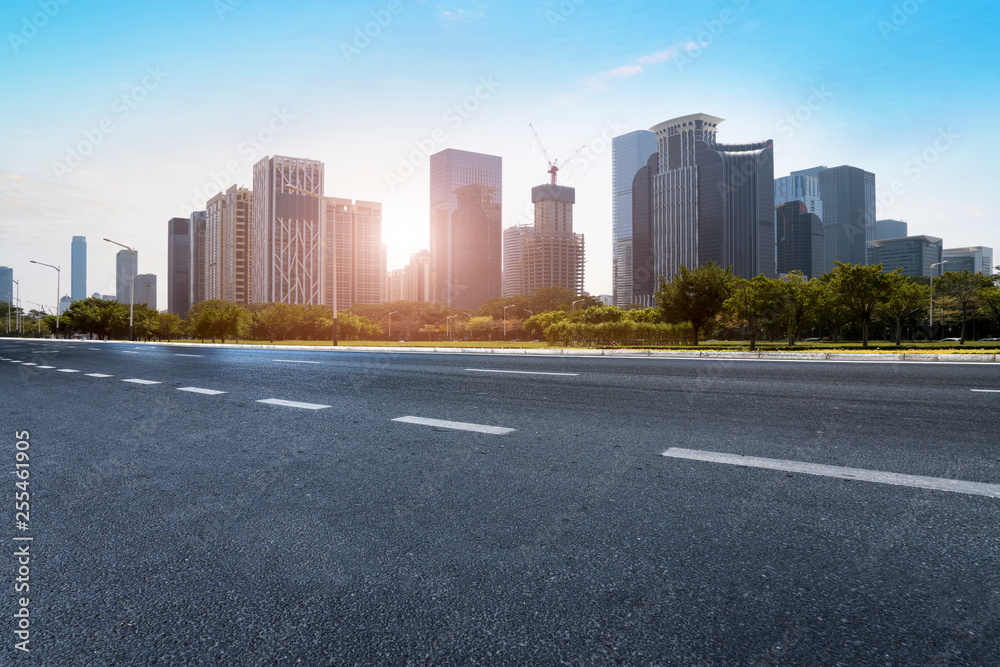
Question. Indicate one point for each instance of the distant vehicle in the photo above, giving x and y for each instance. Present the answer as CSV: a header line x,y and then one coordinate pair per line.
x,y
951,340
989,340
812,340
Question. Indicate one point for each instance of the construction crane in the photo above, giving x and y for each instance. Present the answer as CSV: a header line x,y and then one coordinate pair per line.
x,y
553,166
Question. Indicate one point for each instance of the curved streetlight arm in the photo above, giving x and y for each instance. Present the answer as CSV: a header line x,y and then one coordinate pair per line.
x,y
58,288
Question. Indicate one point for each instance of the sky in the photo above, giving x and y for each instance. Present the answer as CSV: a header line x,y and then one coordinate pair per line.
x,y
117,116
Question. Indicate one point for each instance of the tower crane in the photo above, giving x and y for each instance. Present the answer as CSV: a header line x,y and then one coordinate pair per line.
x,y
553,165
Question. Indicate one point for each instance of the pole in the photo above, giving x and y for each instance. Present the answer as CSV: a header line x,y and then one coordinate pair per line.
x,y
931,332
390,323
58,288
131,286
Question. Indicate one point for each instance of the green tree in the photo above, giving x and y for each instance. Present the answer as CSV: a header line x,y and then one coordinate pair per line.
x,y
862,289
482,328
695,295
752,302
168,326
906,300
277,319
965,288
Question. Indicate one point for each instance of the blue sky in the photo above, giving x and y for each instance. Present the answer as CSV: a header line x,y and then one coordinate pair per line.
x,y
170,100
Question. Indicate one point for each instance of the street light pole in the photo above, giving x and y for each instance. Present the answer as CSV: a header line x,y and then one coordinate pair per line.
x,y
17,315
931,332
505,320
390,323
131,285
447,322
58,278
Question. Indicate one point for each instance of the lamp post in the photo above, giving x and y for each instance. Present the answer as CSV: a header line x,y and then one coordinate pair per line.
x,y
390,323
931,332
322,214
447,322
38,320
8,312
131,285
573,305
58,278
17,315
505,320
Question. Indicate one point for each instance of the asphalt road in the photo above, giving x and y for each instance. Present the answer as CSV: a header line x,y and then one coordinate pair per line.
x,y
173,526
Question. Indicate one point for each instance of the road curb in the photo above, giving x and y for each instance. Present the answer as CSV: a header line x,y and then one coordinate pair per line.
x,y
575,352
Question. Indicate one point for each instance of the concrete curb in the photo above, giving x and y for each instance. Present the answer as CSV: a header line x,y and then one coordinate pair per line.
x,y
580,352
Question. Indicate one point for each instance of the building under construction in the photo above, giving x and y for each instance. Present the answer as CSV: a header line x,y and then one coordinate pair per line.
x,y
552,255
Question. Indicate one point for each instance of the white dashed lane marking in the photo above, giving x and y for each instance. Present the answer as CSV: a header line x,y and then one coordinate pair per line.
x,y
67,370
137,381
46,366
199,390
859,474
189,355
294,404
457,426
987,391
486,370
290,361
99,375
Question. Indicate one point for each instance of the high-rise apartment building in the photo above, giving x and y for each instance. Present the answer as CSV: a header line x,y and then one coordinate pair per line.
x,y
286,232
354,231
974,259
78,289
466,241
890,229
179,266
629,153
552,255
801,240
848,195
513,259
418,277
712,202
913,254
227,248
145,290
126,269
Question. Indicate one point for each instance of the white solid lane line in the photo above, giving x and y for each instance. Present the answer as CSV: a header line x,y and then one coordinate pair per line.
x,y
294,404
137,381
199,390
859,474
489,370
987,391
189,355
290,361
458,426
99,375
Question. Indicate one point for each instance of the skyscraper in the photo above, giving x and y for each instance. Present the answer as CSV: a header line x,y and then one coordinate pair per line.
x,y
145,290
848,195
211,259
800,186
179,266
629,153
712,201
890,229
801,242
552,255
466,242
354,229
78,289
227,248
7,291
125,273
286,232
643,260
199,252
513,259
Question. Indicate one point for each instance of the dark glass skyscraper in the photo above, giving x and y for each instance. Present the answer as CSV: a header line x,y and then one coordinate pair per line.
x,y
466,236
179,266
913,254
848,195
801,240
629,153
712,202
78,289
644,277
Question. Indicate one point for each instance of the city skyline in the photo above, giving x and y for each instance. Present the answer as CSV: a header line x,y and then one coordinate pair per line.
x,y
909,101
